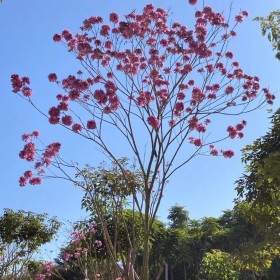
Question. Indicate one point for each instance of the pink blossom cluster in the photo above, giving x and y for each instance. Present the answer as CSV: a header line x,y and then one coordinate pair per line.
x,y
98,243
47,271
20,84
77,254
196,141
228,153
77,237
213,150
235,131
153,121
40,276
225,153
77,90
29,153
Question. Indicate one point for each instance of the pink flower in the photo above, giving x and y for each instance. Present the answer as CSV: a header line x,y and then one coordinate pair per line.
x,y
232,131
98,243
153,121
172,123
67,256
114,17
239,18
52,77
228,153
179,106
197,142
193,2
214,152
54,120
35,133
57,38
18,83
40,276
28,152
91,124
245,13
66,34
22,181
229,55
26,91
25,137
63,106
105,30
54,112
67,120
35,181
229,89
76,127
28,174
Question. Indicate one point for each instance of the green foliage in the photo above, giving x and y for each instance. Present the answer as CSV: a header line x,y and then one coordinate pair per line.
x,y
260,183
270,27
218,265
21,235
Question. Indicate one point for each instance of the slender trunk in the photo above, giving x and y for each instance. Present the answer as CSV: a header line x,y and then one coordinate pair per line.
x,y
145,271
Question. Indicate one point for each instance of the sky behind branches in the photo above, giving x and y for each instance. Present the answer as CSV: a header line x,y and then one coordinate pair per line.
x,y
205,186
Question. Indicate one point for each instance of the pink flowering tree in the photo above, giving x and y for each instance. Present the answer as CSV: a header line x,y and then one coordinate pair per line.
x,y
154,85
84,256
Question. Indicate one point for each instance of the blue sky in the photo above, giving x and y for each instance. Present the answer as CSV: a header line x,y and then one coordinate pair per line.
x,y
205,186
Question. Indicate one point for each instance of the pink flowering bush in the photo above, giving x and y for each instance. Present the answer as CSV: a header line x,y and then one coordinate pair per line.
x,y
145,73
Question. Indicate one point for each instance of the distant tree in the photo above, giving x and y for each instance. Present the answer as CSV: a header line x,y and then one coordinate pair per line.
x,y
178,217
21,235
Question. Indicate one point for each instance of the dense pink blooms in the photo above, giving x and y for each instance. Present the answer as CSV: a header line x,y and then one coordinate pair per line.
x,y
28,152
57,38
76,127
67,120
229,55
20,84
35,133
236,130
239,18
22,181
91,124
98,243
35,181
52,77
114,17
193,2
28,174
51,150
40,276
228,153
26,91
153,122
67,257
196,141
213,150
